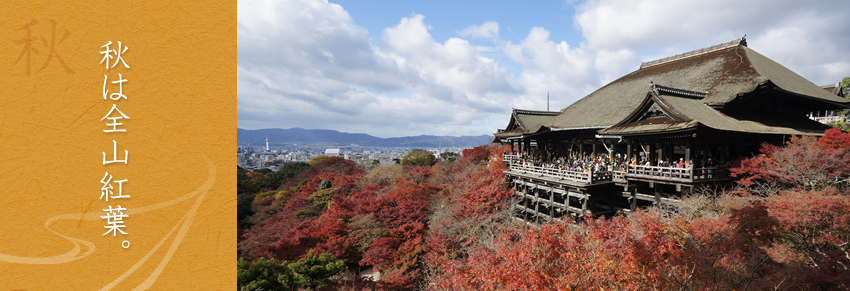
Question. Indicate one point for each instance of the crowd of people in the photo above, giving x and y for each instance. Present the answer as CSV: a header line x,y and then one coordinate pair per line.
x,y
583,162
577,162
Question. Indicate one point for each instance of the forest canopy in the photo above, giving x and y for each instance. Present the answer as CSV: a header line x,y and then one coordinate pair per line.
x,y
445,225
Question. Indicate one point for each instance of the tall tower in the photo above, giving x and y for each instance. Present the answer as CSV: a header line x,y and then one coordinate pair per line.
x,y
267,143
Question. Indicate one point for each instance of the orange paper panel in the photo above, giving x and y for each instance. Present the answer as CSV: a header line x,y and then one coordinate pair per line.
x,y
180,134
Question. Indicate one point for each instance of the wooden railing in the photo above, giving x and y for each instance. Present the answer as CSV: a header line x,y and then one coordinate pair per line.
x,y
677,174
514,164
664,173
618,176
712,173
688,175
509,158
585,177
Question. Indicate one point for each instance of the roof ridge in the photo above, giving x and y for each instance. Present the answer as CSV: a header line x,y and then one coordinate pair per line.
x,y
673,90
536,112
741,41
831,85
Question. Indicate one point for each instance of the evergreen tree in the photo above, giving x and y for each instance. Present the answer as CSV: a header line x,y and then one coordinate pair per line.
x,y
314,272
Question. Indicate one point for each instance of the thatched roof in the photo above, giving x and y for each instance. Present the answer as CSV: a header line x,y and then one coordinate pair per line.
x,y
834,89
684,112
527,121
723,74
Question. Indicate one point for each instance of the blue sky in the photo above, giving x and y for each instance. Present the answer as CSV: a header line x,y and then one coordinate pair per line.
x,y
448,18
399,68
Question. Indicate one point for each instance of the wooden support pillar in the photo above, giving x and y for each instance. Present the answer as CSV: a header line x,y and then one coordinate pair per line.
x,y
525,209
536,204
584,202
564,150
688,153
593,155
543,146
526,147
629,155
671,150
653,155
658,191
518,147
551,202
659,154
697,153
514,200
634,199
581,148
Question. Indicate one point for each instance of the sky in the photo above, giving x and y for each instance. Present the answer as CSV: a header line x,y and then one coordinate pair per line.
x,y
407,68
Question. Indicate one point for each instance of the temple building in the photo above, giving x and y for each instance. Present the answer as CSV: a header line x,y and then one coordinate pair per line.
x,y
830,116
648,137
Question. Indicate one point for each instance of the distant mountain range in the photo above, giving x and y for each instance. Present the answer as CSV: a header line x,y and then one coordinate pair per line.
x,y
300,135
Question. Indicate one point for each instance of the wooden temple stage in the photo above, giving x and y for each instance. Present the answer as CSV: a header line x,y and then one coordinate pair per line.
x,y
708,108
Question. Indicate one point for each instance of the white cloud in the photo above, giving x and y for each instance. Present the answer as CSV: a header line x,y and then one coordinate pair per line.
x,y
513,52
558,69
488,29
814,46
810,38
316,69
613,64
305,63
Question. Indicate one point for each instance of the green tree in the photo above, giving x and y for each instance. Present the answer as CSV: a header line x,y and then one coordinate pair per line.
x,y
374,164
264,274
258,181
244,206
314,272
325,184
242,185
449,156
318,159
290,170
418,157
309,273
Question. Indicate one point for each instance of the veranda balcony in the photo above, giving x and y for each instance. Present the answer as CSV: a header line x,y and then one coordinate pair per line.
x,y
670,174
